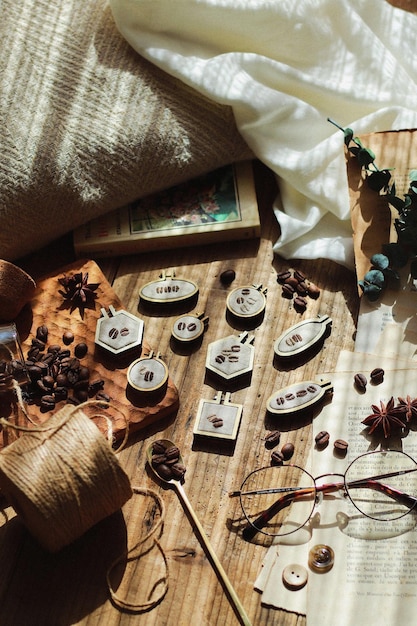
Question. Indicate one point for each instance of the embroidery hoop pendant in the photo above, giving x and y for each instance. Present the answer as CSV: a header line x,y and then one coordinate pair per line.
x,y
218,418
148,374
246,305
189,327
168,290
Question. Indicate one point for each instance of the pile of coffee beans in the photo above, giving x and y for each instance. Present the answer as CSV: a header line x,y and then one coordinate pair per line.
x,y
57,374
296,287
166,461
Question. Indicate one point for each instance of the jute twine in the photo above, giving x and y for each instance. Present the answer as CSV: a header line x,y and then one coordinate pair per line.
x,y
62,477
136,552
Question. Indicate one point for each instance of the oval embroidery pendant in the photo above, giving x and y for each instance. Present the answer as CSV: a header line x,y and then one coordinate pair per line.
x,y
297,397
302,336
167,289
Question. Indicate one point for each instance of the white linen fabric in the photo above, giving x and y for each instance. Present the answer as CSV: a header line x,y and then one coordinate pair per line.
x,y
285,67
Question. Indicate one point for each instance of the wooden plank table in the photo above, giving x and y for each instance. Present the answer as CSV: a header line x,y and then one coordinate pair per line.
x,y
70,587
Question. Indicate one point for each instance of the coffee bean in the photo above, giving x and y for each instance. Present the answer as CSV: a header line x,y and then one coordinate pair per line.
x,y
322,439
172,453
313,291
54,348
340,446
35,372
288,291
360,381
227,277
38,343
287,451
178,470
164,471
95,386
299,276
300,304
272,439
68,337
63,354
292,281
80,350
60,393
42,333
283,276
81,394
301,289
158,447
102,397
277,458
47,402
377,376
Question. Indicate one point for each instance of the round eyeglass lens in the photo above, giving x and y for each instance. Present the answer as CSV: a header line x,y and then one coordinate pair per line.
x,y
383,484
278,500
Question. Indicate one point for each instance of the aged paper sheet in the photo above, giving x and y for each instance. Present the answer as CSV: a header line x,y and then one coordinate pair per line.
x,y
373,578
365,570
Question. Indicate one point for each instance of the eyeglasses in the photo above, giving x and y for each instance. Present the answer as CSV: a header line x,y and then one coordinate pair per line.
x,y
278,500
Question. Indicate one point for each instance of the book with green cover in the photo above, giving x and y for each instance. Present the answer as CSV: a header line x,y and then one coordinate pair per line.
x,y
218,206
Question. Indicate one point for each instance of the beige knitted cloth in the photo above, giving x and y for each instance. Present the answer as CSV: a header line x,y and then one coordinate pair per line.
x,y
87,125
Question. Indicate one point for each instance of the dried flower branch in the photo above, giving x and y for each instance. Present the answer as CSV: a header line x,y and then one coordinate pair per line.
x,y
397,254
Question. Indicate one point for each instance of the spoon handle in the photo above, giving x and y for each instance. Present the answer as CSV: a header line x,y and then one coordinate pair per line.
x,y
244,619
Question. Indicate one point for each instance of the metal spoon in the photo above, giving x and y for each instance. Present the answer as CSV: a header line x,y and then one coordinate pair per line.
x,y
177,484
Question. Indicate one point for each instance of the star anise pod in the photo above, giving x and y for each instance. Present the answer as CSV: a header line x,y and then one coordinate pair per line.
x,y
78,292
384,419
407,407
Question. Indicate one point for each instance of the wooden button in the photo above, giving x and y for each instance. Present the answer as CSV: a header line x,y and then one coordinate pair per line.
x,y
294,576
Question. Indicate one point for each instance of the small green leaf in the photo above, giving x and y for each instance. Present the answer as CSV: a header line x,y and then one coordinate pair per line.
x,y
354,150
372,292
380,261
396,202
348,134
375,277
365,157
378,180
413,175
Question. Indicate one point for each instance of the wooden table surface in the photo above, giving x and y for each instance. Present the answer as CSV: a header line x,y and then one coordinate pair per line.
x,y
70,587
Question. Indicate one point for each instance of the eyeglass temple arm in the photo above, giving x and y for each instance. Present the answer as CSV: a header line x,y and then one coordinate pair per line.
x,y
250,531
399,496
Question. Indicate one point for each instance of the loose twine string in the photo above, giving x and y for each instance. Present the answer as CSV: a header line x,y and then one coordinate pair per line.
x,y
117,600
62,477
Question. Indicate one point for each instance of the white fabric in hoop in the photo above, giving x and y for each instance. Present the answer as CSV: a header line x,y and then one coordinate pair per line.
x,y
284,67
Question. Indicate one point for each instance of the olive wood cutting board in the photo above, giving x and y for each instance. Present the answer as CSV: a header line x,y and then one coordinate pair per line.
x,y
48,308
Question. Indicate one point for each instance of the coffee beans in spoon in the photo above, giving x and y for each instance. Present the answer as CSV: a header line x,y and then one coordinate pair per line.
x,y
166,460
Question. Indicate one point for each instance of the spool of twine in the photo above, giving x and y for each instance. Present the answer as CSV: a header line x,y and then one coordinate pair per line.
x,y
62,478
